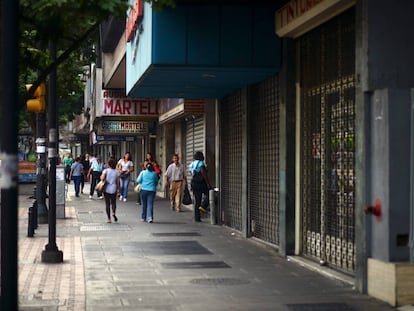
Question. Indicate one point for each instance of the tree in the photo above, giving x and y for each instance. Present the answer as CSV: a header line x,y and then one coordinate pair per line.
x,y
73,25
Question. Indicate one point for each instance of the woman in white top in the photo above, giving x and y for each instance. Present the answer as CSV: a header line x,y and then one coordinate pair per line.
x,y
125,166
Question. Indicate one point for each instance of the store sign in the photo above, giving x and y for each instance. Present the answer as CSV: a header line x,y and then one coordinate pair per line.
x,y
117,127
299,16
135,16
175,108
113,138
113,104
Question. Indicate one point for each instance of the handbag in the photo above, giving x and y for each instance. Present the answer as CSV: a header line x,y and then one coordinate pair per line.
x,y
138,188
100,186
187,197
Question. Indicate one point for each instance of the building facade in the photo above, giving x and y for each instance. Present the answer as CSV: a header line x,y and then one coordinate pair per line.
x,y
304,112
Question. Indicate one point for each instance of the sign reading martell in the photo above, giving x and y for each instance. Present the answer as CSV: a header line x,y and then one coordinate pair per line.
x,y
115,104
119,127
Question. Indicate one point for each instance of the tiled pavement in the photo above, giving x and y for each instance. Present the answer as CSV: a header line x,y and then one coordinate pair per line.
x,y
172,264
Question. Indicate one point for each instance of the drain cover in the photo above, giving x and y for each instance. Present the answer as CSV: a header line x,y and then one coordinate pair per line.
x,y
90,212
104,227
195,265
167,234
220,281
320,307
166,248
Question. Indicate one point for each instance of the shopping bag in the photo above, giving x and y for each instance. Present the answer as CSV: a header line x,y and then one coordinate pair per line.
x,y
187,197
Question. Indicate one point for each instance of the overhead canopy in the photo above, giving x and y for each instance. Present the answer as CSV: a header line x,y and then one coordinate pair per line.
x,y
203,51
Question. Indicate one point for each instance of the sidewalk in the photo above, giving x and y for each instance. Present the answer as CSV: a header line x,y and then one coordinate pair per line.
x,y
171,264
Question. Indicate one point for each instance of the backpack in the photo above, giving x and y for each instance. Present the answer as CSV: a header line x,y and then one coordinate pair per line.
x,y
197,180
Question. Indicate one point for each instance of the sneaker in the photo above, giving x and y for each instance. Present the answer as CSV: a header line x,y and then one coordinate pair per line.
x,y
120,198
90,197
150,221
142,219
100,198
124,199
202,209
115,218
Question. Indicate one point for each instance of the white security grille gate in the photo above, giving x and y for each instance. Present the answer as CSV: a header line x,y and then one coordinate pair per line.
x,y
327,77
263,127
195,139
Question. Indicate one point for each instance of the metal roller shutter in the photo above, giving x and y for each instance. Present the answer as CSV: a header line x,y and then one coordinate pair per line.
x,y
231,161
264,160
327,56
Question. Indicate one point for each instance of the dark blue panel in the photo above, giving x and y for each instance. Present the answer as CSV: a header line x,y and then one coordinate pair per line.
x,y
203,34
210,51
169,36
266,44
236,36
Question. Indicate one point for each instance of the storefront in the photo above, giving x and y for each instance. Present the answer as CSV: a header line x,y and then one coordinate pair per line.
x,y
325,128
122,125
188,118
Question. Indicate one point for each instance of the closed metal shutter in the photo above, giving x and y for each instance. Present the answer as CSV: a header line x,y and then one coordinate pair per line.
x,y
264,160
195,139
231,161
327,56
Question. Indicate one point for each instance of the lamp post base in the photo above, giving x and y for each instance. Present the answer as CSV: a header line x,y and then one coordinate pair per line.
x,y
52,256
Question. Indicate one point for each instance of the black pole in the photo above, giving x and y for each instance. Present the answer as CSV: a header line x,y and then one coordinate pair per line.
x,y
52,254
9,35
41,168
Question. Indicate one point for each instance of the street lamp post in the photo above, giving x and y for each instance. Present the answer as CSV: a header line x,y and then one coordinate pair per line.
x,y
8,152
52,254
41,169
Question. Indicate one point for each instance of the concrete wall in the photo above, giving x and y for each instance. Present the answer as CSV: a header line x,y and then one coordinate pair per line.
x,y
390,173
389,31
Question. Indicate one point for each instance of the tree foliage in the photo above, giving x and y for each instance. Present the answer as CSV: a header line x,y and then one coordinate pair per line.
x,y
73,26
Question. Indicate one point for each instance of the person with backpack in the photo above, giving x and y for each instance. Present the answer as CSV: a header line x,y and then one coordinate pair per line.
x,y
200,184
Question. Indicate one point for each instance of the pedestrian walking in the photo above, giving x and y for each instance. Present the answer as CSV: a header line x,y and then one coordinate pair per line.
x,y
67,162
175,177
76,174
149,158
94,174
112,185
84,176
200,184
148,179
125,167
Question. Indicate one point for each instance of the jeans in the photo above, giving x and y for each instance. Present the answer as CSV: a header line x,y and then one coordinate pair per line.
x,y
147,200
124,183
67,173
77,182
